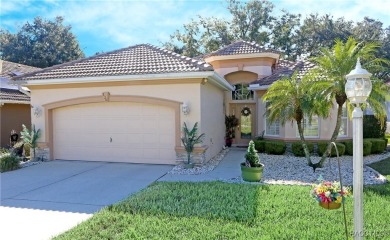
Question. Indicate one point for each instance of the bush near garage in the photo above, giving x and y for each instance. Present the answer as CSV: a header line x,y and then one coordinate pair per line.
x,y
275,147
9,162
323,145
298,151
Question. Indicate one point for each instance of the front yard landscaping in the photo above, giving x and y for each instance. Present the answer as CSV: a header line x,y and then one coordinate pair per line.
x,y
217,210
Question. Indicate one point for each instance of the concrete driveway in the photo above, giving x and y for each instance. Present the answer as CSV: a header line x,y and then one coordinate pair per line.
x,y
44,200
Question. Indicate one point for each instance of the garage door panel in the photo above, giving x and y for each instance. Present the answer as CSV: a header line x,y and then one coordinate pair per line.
x,y
123,132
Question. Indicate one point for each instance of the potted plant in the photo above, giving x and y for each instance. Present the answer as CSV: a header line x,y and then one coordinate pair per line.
x,y
329,195
189,139
230,123
30,138
251,169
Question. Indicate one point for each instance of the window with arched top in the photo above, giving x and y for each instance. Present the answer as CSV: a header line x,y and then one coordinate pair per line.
x,y
241,92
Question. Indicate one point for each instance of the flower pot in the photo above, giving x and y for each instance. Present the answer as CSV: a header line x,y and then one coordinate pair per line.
x,y
251,174
330,206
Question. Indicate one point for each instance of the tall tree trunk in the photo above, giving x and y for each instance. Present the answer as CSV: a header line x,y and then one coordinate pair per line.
x,y
304,145
188,157
334,135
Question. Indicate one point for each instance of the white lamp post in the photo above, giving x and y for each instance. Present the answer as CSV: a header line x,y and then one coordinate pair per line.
x,y
358,88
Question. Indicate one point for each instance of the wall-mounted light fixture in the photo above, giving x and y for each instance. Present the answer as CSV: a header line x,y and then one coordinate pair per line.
x,y
37,111
185,108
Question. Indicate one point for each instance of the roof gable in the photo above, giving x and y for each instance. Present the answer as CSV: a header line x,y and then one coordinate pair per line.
x,y
134,60
241,47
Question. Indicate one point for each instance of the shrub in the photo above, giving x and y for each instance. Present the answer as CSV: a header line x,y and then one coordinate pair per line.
x,y
298,151
260,145
372,127
323,145
348,148
274,147
9,162
366,147
378,145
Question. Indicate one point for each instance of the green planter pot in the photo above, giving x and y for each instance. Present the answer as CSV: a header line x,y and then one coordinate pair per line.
x,y
251,174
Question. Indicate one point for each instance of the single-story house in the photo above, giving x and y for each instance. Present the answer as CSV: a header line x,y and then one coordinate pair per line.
x,y
129,105
15,108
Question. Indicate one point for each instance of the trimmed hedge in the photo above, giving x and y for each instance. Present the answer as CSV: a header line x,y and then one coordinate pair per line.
x,y
275,147
378,145
9,162
298,151
322,148
348,148
366,147
260,145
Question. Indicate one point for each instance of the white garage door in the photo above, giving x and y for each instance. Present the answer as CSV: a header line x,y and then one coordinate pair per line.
x,y
115,131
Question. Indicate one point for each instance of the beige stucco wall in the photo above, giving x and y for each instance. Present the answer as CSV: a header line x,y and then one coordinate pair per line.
x,y
212,119
177,92
12,116
189,92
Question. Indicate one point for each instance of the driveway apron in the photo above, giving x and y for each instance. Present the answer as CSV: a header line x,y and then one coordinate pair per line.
x,y
52,197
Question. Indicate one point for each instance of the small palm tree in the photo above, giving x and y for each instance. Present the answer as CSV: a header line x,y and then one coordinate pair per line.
x,y
30,138
335,63
190,138
294,99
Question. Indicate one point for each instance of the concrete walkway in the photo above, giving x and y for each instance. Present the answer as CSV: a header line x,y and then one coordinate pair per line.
x,y
228,168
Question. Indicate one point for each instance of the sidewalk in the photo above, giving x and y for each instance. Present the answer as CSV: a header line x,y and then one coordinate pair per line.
x,y
228,168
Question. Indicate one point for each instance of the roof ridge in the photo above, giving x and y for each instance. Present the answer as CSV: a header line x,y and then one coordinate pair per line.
x,y
197,63
72,62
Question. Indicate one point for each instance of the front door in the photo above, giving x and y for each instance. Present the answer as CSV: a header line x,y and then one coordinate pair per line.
x,y
246,127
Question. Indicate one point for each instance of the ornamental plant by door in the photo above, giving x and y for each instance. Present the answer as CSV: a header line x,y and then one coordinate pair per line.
x,y
251,169
30,138
189,139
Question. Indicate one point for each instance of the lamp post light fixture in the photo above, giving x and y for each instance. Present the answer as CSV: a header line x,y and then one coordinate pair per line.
x,y
357,89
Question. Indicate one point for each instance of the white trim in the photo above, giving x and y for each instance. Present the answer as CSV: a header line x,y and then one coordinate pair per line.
x,y
219,81
20,88
265,125
211,75
255,87
241,56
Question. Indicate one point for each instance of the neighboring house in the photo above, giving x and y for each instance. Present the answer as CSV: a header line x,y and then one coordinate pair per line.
x,y
15,108
129,105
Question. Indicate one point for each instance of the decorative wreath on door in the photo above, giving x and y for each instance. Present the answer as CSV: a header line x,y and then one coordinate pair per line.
x,y
246,111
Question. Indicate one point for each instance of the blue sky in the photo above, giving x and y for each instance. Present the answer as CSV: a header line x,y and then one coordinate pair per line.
x,y
103,25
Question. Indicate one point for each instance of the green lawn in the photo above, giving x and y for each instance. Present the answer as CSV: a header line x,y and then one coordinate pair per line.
x,y
216,210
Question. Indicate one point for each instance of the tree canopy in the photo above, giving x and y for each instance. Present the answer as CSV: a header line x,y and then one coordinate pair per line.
x,y
255,21
43,43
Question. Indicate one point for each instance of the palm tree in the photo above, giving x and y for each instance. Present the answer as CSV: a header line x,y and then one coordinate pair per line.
x,y
294,99
335,63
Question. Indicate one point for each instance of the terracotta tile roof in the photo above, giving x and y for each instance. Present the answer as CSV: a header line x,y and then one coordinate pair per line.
x,y
241,47
285,68
134,60
12,95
